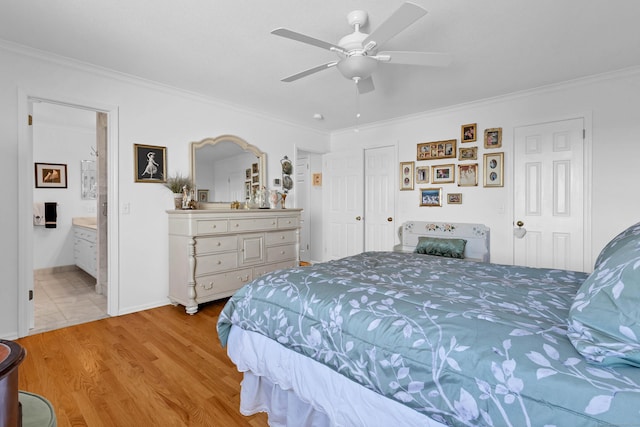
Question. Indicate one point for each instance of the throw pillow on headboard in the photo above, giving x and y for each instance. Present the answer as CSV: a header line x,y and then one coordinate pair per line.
x,y
450,248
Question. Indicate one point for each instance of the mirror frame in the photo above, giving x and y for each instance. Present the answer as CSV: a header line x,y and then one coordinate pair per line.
x,y
261,156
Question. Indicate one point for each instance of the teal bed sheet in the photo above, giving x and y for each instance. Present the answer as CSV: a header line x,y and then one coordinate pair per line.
x,y
466,343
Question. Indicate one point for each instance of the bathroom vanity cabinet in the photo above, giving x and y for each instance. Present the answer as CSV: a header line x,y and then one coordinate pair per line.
x,y
85,247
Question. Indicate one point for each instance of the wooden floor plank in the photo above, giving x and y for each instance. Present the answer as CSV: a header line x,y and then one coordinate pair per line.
x,y
156,367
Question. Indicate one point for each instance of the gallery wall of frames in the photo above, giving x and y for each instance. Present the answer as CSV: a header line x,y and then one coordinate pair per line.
x,y
441,167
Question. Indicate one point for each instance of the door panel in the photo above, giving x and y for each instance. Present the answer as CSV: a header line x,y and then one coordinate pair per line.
x,y
343,204
548,182
379,223
302,201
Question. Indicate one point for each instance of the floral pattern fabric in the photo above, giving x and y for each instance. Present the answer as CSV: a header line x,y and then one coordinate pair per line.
x,y
466,343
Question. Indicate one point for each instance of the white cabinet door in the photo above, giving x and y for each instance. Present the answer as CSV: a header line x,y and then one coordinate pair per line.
x,y
549,194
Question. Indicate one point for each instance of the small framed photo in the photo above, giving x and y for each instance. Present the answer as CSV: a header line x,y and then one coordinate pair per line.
x,y
203,196
493,138
468,175
254,168
454,198
277,182
422,174
494,170
431,196
51,175
247,174
468,153
247,190
468,132
406,176
442,174
150,163
437,150
255,179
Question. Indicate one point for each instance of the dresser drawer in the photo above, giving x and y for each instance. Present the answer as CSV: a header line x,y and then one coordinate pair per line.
x,y
281,237
252,224
212,226
288,222
223,282
216,244
281,253
264,269
207,264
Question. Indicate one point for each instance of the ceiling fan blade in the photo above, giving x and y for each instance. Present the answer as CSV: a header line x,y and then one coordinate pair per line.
x,y
309,71
406,15
365,85
283,32
428,59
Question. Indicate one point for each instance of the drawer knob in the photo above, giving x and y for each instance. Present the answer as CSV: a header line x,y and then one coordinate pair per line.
x,y
282,237
219,262
219,243
215,226
281,252
244,278
237,225
209,286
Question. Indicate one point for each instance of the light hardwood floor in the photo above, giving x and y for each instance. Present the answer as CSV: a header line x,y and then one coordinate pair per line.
x,y
158,367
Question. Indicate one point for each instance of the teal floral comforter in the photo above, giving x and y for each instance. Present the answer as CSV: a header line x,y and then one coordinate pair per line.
x,y
466,343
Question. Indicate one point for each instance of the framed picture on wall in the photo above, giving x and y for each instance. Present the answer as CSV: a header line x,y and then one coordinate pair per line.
x,y
494,170
150,163
468,132
454,198
51,175
442,174
468,175
422,175
406,176
468,153
437,150
493,138
431,196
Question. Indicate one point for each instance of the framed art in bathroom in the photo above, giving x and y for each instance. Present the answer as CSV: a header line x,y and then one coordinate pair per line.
x,y
51,175
150,163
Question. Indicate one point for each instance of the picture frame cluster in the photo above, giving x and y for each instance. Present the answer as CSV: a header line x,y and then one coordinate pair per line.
x,y
464,172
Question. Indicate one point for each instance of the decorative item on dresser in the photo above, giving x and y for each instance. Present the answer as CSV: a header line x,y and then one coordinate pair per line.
x,y
213,253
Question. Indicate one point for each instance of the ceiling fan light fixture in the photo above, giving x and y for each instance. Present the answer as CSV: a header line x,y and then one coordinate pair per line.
x,y
357,66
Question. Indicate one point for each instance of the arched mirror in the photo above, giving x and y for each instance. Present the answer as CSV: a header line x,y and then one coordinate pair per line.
x,y
226,169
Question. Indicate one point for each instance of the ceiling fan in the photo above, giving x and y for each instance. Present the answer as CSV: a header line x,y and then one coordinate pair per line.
x,y
358,52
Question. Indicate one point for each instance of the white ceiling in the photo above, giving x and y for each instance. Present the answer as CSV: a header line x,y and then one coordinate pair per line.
x,y
224,49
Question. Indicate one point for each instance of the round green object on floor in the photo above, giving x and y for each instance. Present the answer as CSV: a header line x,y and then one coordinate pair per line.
x,y
36,411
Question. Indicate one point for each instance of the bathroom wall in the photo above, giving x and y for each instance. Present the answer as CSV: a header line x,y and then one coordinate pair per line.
x,y
61,135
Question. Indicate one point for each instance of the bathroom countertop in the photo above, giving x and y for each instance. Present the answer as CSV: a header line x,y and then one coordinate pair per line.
x,y
85,221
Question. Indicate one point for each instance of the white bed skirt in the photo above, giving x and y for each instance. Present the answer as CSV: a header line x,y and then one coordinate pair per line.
x,y
298,391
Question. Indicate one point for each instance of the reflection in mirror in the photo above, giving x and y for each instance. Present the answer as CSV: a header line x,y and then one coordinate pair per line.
x,y
88,183
226,166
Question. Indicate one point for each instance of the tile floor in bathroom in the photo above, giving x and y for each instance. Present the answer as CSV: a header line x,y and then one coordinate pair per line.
x,y
63,297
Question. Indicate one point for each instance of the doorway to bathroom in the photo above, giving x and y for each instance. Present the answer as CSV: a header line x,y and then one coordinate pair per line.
x,y
70,246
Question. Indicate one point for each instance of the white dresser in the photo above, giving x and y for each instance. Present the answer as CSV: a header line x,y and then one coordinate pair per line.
x,y
213,253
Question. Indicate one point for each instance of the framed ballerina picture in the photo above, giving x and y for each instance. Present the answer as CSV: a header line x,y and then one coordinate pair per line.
x,y
150,163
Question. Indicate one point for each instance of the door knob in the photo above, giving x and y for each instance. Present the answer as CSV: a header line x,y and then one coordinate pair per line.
x,y
390,219
519,223
358,218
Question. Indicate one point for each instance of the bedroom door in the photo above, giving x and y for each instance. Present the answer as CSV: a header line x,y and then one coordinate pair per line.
x,y
379,186
549,194
343,200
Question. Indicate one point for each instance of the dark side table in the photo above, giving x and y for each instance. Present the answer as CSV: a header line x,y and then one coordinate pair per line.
x,y
11,355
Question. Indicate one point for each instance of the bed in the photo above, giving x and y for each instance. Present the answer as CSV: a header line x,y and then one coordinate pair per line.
x,y
407,338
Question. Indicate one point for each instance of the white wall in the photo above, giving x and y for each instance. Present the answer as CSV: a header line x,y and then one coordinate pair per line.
x,y
609,104
147,114
57,141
